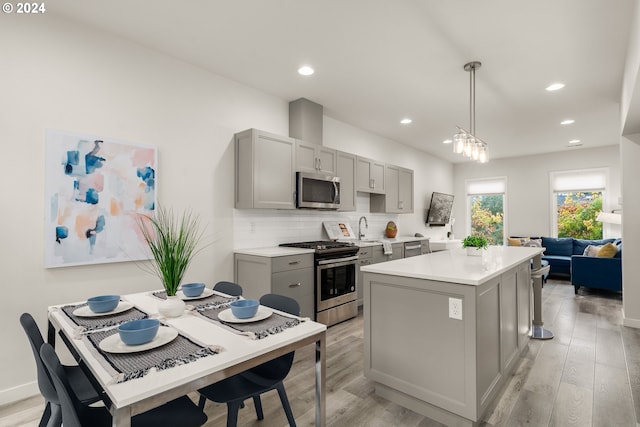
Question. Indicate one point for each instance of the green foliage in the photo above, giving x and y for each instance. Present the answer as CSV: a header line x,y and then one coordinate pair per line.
x,y
475,241
173,241
487,218
577,215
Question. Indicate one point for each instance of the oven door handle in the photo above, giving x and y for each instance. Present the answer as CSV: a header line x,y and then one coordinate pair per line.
x,y
336,193
337,262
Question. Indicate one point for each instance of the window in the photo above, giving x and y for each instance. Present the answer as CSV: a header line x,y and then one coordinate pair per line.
x,y
485,208
577,198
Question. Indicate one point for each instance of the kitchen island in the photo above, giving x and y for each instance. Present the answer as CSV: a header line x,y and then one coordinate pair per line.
x,y
443,331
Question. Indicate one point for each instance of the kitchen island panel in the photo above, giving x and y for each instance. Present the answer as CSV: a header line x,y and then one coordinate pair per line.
x,y
415,347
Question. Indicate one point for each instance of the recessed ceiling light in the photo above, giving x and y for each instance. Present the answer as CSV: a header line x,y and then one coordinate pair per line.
x,y
305,70
574,141
555,86
567,122
447,141
405,121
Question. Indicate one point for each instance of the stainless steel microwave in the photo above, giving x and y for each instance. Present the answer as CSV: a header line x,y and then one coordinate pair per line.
x,y
317,191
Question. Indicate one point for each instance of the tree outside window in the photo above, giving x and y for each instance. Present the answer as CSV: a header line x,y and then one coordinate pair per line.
x,y
487,217
577,212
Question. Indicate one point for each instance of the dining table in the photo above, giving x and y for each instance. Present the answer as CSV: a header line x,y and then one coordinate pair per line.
x,y
202,349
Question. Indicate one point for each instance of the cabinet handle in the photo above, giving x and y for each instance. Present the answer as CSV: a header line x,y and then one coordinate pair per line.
x,y
294,262
400,205
315,161
295,285
372,183
319,164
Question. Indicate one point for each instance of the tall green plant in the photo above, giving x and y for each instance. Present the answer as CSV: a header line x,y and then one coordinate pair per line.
x,y
173,240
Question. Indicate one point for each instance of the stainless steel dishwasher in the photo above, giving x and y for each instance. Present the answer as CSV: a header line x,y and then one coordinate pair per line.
x,y
412,248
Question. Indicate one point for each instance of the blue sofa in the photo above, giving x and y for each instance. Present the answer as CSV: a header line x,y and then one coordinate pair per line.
x,y
565,256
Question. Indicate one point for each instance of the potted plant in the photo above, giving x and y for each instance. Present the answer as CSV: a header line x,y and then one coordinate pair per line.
x,y
475,244
173,241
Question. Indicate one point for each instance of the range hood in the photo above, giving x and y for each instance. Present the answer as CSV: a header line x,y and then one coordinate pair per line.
x,y
305,121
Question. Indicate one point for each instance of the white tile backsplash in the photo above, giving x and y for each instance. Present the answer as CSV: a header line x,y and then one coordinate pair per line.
x,y
255,228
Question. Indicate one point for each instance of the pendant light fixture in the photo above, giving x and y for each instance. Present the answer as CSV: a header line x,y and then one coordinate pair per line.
x,y
466,142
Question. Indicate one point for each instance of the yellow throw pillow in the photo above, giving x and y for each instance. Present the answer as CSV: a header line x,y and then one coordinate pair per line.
x,y
516,241
607,251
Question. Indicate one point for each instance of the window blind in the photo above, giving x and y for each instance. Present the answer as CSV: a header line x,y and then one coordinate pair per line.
x,y
486,186
582,180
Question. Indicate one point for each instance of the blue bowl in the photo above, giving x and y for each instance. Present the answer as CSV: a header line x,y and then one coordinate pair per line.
x,y
103,303
137,332
192,289
244,308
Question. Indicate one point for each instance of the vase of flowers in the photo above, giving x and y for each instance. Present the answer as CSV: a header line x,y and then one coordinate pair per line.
x,y
475,245
173,241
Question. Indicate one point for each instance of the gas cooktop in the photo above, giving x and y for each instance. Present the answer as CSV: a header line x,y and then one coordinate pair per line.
x,y
326,247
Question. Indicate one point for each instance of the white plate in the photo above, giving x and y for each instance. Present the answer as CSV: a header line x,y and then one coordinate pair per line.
x,y
206,293
227,316
85,311
114,344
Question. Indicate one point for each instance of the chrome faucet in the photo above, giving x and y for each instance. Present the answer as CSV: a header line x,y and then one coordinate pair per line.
x,y
366,225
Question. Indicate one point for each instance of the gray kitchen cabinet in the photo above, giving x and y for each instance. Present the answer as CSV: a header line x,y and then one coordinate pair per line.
x,y
370,176
315,158
264,170
346,169
397,252
290,275
398,195
365,257
425,248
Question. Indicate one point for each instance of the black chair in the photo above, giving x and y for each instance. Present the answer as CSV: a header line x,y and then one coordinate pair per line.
x,y
78,381
228,288
179,412
252,383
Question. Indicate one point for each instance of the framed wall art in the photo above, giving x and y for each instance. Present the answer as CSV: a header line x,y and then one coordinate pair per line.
x,y
95,188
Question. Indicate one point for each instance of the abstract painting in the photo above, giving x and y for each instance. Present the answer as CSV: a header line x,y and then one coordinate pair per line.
x,y
95,189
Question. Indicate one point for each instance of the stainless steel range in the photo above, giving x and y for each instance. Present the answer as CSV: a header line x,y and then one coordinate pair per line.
x,y
335,279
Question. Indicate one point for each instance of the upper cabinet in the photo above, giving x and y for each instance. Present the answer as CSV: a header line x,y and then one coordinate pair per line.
x,y
398,197
315,158
370,176
347,174
265,166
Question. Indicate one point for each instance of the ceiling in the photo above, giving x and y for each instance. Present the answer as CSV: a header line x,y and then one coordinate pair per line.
x,y
378,61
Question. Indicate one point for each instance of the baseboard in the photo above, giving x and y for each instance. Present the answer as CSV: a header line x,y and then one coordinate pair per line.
x,y
632,323
17,393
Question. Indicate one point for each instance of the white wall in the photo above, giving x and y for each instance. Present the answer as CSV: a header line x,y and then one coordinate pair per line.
x,y
528,202
630,157
62,75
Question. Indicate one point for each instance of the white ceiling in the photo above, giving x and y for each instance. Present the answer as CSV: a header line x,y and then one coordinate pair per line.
x,y
378,61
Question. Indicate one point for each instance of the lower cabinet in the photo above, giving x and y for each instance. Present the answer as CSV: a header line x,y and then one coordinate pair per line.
x,y
290,275
397,252
365,257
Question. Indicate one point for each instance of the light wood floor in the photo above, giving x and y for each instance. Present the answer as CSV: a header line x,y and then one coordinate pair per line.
x,y
588,375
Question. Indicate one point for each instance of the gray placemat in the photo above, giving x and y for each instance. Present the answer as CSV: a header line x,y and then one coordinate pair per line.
x,y
211,301
272,325
86,324
128,366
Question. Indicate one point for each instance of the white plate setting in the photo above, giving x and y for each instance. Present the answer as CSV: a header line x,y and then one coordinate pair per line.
x,y
114,344
227,316
207,292
85,311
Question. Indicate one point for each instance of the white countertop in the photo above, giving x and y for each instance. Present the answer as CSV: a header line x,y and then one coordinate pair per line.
x,y
274,251
455,265
373,241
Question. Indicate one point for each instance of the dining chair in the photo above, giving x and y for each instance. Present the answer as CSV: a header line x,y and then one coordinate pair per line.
x,y
78,380
179,412
253,382
228,288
